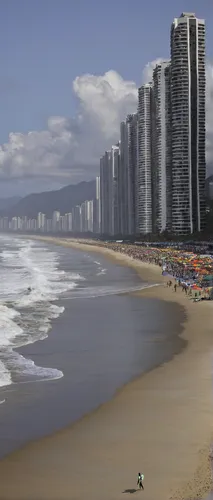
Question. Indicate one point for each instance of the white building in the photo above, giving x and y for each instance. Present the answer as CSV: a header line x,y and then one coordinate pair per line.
x,y
68,218
76,219
188,123
97,207
161,137
90,213
41,218
115,161
106,193
144,171
56,220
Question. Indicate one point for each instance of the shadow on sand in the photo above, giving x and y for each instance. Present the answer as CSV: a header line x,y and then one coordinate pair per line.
x,y
131,490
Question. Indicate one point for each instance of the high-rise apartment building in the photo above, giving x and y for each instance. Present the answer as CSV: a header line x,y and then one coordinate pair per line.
x,y
188,123
144,171
97,207
106,193
123,179
161,149
76,219
132,137
56,219
127,174
115,163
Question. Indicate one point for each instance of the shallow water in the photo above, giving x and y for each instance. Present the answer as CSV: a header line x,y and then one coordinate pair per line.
x,y
100,341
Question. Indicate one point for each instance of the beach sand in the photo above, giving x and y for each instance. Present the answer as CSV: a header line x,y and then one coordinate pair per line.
x,y
161,424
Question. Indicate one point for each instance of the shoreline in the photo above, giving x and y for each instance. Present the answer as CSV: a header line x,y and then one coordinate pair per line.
x,y
160,422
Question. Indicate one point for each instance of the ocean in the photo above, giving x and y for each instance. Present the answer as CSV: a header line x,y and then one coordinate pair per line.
x,y
78,335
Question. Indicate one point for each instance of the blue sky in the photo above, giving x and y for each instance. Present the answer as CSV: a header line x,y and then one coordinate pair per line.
x,y
45,44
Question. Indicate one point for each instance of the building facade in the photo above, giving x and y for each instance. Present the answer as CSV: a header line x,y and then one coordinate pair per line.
x,y
106,193
97,206
188,123
161,150
115,159
144,170
123,179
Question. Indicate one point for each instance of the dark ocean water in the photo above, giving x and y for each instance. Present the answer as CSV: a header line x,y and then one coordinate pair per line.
x,y
80,337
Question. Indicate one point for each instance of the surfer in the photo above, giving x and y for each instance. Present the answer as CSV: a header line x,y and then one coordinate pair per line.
x,y
140,481
29,289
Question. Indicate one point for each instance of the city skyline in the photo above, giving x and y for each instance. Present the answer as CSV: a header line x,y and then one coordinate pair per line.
x,y
168,178
153,179
51,134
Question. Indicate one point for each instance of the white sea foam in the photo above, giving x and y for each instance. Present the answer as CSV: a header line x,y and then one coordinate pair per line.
x,y
25,316
101,271
99,291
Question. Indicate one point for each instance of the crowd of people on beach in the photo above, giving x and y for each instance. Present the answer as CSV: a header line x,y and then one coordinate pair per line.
x,y
191,271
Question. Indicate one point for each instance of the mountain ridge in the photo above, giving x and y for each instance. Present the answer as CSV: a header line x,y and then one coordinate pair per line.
x,y
63,200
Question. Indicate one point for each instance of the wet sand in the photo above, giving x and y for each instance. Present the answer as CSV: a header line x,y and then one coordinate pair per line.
x,y
160,424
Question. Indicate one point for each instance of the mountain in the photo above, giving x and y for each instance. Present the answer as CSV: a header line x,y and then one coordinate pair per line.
x,y
6,203
62,199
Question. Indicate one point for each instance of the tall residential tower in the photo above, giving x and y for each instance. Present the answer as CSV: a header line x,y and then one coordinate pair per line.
x,y
161,137
188,123
144,171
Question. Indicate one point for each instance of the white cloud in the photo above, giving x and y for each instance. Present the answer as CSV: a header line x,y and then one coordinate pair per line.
x,y
69,149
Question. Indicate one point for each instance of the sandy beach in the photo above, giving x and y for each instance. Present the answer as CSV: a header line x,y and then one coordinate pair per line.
x,y
160,424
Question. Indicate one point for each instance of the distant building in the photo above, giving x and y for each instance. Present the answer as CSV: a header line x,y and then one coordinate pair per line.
x,y
76,219
56,219
41,219
90,214
68,218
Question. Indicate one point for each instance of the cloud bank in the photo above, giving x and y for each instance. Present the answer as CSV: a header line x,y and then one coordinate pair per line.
x,y
69,149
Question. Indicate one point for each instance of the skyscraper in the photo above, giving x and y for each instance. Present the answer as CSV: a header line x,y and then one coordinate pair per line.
x,y
161,137
132,142
188,123
115,160
144,173
97,207
123,179
127,176
105,192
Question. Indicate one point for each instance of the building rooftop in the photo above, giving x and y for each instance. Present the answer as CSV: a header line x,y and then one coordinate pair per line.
x,y
187,14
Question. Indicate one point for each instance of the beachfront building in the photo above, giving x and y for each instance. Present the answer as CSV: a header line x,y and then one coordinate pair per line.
x,y
188,123
97,206
89,214
132,144
106,193
127,174
161,137
115,162
123,179
144,168
41,220
68,223
56,218
76,219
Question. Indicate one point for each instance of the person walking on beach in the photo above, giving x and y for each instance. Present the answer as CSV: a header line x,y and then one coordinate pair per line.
x,y
140,481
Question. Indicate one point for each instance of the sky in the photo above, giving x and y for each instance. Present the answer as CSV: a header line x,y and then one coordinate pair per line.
x,y
69,73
